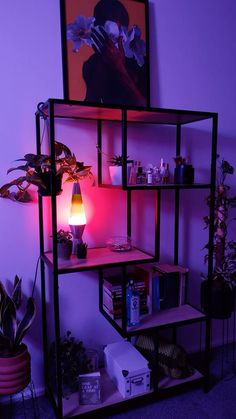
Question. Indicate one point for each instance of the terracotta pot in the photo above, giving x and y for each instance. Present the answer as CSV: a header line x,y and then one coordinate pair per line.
x,y
15,372
46,178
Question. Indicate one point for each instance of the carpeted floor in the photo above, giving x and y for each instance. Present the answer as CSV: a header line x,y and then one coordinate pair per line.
x,y
218,403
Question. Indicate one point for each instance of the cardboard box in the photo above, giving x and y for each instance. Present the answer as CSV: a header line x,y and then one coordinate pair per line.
x,y
127,368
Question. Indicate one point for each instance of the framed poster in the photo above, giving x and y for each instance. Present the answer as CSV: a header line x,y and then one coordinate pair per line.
x,y
105,51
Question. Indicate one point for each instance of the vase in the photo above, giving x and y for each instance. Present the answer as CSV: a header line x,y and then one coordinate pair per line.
x,y
15,372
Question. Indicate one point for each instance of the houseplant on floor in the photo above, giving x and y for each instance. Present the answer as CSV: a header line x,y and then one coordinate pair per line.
x,y
218,294
15,361
74,361
37,168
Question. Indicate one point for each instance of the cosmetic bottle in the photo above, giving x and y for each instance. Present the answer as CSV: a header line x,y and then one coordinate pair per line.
x,y
132,304
156,176
141,177
162,169
150,176
133,173
166,174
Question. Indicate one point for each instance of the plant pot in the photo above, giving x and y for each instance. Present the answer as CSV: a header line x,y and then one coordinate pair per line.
x,y
64,250
15,372
81,250
47,191
217,299
184,174
116,174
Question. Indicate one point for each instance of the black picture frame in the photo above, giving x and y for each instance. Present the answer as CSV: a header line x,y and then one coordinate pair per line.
x,y
88,75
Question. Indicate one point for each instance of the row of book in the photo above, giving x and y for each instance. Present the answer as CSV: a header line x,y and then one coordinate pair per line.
x,y
160,286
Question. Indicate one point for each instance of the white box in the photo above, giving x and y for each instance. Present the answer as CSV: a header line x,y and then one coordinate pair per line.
x,y
127,368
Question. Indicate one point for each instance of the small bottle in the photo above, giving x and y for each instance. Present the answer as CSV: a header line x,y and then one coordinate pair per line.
x,y
150,176
140,177
166,175
157,176
133,170
162,168
132,304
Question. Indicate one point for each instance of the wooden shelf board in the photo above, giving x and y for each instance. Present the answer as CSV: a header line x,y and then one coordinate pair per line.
x,y
78,109
97,258
168,382
157,186
164,318
109,394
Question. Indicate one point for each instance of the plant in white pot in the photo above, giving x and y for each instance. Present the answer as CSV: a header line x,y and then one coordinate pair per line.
x,y
218,294
115,169
15,361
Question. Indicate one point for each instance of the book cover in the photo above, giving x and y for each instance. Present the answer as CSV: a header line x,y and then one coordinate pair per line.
x,y
156,303
90,388
169,286
173,279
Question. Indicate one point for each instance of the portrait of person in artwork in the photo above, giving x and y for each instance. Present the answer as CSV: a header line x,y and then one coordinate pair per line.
x,y
116,71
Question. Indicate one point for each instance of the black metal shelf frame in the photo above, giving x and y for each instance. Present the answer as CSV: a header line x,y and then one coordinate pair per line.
x,y
59,108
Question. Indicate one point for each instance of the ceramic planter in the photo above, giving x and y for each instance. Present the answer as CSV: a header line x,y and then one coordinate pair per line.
x,y
116,174
64,250
15,372
217,299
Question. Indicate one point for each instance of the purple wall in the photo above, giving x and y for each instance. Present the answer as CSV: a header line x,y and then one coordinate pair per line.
x,y
193,66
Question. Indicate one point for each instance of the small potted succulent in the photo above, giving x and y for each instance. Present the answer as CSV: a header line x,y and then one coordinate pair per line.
x,y
15,361
37,168
115,169
81,250
64,244
218,294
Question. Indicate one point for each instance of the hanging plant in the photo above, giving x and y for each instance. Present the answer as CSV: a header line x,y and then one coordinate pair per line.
x,y
37,168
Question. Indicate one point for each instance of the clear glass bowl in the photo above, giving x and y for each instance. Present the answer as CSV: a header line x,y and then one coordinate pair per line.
x,y
119,243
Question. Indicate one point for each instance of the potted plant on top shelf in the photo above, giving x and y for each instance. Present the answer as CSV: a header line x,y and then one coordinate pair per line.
x,y
115,169
15,370
37,168
218,294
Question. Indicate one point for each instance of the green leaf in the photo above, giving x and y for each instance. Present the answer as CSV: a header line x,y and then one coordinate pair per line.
x,y
25,168
62,148
8,315
26,322
16,294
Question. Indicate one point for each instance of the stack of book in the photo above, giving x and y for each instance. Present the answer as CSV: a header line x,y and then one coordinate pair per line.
x,y
166,285
112,296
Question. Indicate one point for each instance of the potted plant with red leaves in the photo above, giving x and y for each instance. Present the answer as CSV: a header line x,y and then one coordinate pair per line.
x,y
15,361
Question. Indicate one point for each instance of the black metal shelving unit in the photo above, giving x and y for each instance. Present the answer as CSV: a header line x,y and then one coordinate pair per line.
x,y
54,109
